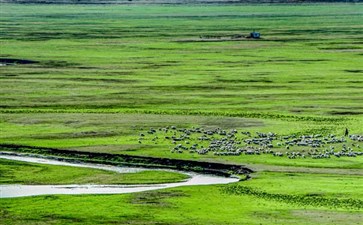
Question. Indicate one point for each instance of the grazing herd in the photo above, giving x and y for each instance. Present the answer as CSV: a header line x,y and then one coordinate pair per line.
x,y
220,142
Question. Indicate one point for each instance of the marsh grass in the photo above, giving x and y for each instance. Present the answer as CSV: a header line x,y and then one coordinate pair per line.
x,y
128,58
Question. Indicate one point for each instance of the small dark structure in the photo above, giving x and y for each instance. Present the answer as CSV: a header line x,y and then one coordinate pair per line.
x,y
255,34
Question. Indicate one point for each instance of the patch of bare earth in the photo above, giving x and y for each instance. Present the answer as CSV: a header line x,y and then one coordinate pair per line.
x,y
329,217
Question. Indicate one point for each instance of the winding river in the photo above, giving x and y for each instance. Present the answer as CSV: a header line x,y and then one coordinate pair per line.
x,y
18,190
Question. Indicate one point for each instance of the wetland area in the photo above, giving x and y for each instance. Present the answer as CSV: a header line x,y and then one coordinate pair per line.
x,y
115,112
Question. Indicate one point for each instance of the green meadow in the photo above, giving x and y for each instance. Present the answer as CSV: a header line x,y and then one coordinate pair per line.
x,y
198,204
103,74
150,58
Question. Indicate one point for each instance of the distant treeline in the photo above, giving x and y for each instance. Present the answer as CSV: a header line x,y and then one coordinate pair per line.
x,y
168,1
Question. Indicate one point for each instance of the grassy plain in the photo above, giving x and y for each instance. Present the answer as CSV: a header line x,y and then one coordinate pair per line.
x,y
107,72
119,133
150,58
195,205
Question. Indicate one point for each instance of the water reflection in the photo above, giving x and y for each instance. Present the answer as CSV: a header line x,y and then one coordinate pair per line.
x,y
16,190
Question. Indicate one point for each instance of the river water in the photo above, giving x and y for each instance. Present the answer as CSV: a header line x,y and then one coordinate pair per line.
x,y
18,190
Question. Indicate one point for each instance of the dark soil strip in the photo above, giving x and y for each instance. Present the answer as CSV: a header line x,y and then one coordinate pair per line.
x,y
345,113
354,71
8,61
127,160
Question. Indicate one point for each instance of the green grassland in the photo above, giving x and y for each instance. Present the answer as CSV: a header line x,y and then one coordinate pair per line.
x,y
119,133
13,172
106,73
196,205
118,58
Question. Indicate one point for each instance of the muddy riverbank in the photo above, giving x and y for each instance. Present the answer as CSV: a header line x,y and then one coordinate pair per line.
x,y
135,161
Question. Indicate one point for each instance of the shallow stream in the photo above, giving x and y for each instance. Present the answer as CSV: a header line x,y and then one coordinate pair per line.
x,y
19,190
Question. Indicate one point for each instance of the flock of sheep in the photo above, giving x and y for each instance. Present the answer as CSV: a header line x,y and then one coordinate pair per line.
x,y
234,143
